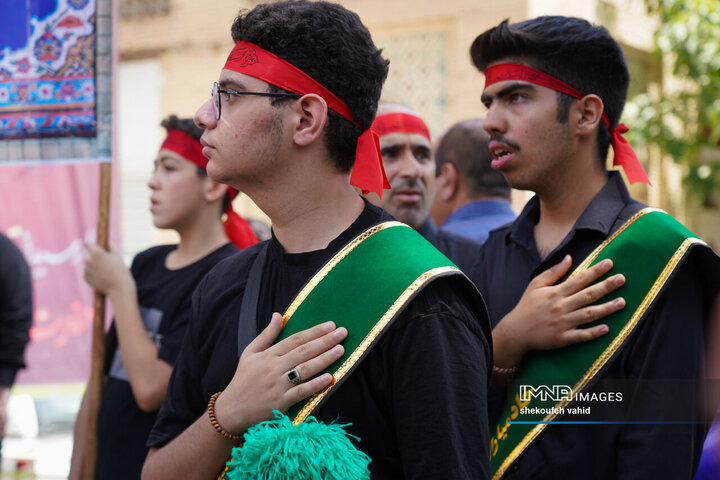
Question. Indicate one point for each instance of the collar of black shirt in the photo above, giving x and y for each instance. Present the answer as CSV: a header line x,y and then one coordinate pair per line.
x,y
600,214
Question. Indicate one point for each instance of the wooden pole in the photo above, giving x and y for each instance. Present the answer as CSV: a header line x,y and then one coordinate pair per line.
x,y
98,333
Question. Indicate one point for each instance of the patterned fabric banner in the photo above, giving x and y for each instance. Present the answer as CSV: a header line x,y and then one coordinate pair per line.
x,y
47,68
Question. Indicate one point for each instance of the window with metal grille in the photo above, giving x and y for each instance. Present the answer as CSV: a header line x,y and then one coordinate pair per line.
x,y
418,73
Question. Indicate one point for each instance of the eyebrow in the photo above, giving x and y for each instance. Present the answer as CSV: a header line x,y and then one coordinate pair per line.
x,y
395,146
231,83
164,158
389,148
510,88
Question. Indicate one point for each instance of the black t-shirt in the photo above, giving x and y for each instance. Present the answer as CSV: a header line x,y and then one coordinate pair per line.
x,y
164,300
462,251
16,310
417,401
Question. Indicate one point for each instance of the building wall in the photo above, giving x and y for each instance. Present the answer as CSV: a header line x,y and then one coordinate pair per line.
x,y
426,41
139,110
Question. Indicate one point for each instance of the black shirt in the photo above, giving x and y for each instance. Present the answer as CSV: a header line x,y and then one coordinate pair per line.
x,y
16,310
462,251
164,300
417,401
666,345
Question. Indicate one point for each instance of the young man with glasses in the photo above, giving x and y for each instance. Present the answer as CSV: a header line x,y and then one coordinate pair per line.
x,y
414,389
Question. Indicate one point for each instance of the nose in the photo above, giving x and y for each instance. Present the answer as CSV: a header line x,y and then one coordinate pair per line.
x,y
409,165
494,120
153,182
206,117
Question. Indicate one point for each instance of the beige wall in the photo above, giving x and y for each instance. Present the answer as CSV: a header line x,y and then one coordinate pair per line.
x,y
194,39
191,42
190,45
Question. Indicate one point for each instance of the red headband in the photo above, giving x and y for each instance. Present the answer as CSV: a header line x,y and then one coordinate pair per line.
x,y
186,146
249,59
623,152
236,227
400,123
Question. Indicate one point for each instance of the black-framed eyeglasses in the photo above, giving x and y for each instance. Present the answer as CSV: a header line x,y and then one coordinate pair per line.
x,y
216,91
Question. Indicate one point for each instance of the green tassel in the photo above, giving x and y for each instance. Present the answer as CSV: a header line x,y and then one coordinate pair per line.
x,y
278,450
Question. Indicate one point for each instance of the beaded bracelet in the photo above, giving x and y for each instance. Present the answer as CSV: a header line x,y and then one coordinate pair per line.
x,y
214,422
505,371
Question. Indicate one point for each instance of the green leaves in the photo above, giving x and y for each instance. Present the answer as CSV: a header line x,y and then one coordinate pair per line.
x,y
685,121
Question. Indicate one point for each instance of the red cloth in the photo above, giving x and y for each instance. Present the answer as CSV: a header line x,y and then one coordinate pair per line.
x,y
623,152
236,227
400,123
249,59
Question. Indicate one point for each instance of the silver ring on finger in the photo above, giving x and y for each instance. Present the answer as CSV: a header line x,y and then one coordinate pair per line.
x,y
293,376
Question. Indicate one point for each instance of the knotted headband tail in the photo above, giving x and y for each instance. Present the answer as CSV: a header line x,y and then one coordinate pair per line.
x,y
237,228
624,155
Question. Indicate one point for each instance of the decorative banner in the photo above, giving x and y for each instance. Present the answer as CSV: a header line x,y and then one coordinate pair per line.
x,y
50,212
47,68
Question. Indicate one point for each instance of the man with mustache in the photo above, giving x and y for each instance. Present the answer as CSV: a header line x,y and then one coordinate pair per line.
x,y
555,88
410,167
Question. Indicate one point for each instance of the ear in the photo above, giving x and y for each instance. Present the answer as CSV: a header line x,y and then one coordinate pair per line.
x,y
586,115
446,185
310,114
214,190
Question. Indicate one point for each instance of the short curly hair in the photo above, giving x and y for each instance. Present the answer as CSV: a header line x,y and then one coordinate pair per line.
x,y
330,44
185,125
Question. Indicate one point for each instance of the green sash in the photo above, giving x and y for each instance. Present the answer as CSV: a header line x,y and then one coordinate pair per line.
x,y
363,288
647,249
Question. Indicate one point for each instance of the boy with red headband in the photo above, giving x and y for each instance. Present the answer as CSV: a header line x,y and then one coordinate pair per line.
x,y
152,300
623,402
288,121
410,167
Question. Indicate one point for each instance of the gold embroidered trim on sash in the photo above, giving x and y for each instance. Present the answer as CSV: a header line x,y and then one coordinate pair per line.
x,y
615,344
317,278
370,338
591,258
